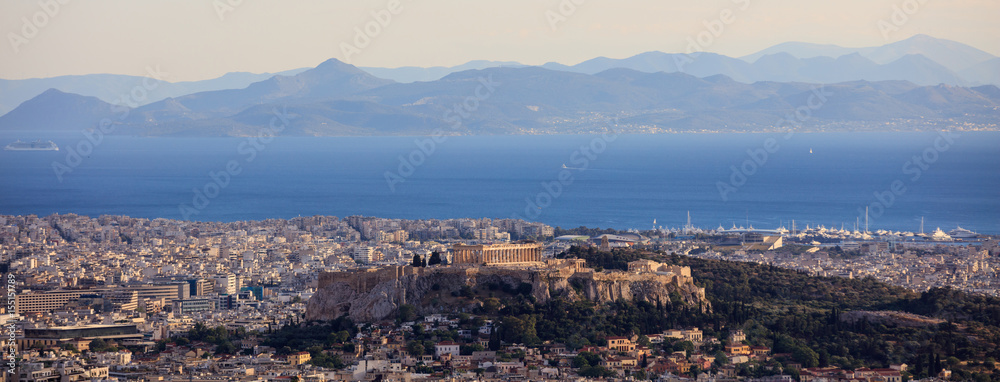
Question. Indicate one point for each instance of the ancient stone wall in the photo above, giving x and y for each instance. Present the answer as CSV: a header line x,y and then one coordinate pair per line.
x,y
374,294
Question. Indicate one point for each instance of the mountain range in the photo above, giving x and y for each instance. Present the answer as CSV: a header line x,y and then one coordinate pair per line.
x,y
114,87
920,59
335,98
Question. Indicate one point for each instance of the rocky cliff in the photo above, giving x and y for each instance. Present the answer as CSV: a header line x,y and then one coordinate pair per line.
x,y
375,294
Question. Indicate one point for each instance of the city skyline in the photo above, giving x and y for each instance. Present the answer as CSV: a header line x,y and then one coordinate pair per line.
x,y
557,190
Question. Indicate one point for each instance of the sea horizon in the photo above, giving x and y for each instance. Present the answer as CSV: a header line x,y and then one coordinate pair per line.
x,y
633,180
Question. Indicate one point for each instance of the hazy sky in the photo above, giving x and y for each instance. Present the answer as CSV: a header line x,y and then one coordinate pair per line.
x,y
199,39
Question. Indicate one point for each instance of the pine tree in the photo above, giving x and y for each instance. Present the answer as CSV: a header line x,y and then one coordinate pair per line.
x,y
494,339
930,365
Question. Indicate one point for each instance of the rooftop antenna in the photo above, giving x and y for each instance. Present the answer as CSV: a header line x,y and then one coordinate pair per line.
x,y
866,219
921,225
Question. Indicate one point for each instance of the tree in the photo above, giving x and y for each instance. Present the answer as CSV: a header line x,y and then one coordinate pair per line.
x,y
415,348
494,343
98,345
686,346
416,260
418,331
435,258
519,329
491,305
324,360
721,359
952,361
466,291
225,348
595,372
641,375
644,341
406,313
806,356
586,359
469,349
338,337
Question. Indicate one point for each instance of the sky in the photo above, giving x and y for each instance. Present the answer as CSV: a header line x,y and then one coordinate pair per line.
x,y
201,39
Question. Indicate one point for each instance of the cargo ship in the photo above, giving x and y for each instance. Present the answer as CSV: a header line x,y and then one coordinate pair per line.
x,y
32,146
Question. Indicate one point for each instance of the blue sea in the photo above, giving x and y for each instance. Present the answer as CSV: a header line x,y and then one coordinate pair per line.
x,y
617,181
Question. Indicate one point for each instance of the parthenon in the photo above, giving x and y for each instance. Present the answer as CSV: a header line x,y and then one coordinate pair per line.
x,y
496,253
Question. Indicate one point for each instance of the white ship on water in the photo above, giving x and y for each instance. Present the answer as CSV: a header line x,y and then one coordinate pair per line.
x,y
939,235
962,233
38,145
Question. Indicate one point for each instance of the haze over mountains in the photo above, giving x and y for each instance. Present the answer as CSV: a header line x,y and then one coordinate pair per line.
x,y
112,87
921,59
911,84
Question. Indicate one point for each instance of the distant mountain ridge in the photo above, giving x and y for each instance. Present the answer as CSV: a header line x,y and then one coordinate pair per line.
x,y
953,55
110,87
920,59
339,99
416,73
76,112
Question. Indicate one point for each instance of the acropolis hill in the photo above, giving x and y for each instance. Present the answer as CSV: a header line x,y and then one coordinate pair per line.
x,y
374,294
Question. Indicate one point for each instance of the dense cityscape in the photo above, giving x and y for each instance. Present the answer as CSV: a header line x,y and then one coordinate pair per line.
x,y
120,298
453,190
